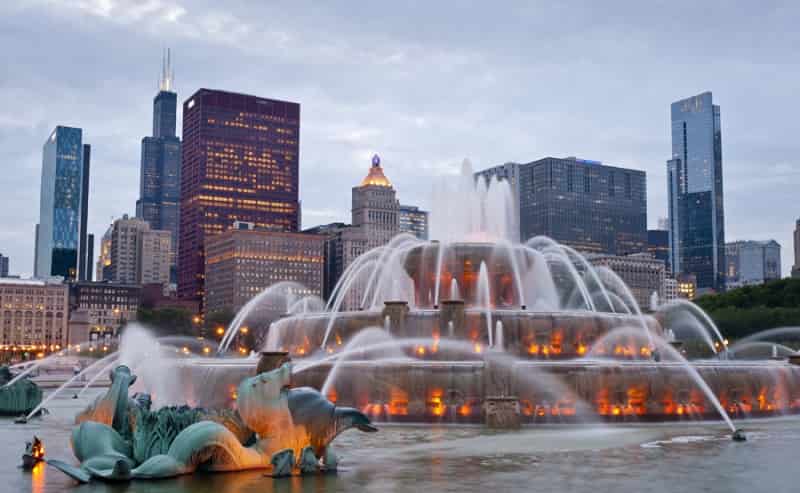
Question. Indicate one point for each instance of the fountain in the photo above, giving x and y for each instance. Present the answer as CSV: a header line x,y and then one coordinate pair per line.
x,y
540,305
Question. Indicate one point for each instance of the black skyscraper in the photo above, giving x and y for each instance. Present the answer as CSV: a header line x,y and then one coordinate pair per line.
x,y
159,181
84,255
584,204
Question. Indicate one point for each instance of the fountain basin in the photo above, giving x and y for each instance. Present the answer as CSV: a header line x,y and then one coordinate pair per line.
x,y
546,391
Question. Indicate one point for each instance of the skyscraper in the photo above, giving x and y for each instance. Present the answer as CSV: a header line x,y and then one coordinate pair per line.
x,y
658,245
240,162
694,181
752,262
138,254
414,220
85,249
3,265
159,179
796,266
60,203
375,207
585,204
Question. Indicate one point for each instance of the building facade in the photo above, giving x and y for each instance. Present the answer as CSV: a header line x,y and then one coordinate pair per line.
x,y
343,244
658,245
154,255
414,221
4,265
509,172
107,306
375,207
589,206
643,274
124,249
669,291
103,268
796,266
687,286
240,264
752,262
34,315
85,245
159,177
239,163
58,233
694,181
137,254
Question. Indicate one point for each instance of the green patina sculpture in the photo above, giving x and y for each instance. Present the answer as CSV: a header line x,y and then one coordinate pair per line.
x,y
21,397
119,438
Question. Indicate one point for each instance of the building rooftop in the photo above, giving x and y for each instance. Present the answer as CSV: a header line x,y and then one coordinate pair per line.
x,y
375,177
16,281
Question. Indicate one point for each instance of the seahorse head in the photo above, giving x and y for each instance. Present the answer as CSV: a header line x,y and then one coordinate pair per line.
x,y
262,400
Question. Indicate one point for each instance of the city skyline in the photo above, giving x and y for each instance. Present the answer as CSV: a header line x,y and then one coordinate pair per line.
x,y
421,135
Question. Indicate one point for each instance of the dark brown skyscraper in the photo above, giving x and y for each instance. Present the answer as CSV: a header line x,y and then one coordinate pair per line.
x,y
240,162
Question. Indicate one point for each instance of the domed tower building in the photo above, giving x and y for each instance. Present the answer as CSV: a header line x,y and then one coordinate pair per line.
x,y
376,209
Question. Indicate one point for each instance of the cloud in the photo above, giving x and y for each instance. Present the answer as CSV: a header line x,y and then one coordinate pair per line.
x,y
422,84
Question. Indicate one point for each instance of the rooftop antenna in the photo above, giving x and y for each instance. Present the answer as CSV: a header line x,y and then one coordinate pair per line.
x,y
167,75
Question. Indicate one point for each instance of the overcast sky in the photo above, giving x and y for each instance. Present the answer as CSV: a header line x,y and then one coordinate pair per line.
x,y
424,84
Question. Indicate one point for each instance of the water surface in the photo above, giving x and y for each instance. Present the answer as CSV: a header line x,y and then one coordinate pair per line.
x,y
656,458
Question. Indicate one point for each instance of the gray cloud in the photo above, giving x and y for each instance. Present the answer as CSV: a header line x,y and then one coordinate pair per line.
x,y
424,84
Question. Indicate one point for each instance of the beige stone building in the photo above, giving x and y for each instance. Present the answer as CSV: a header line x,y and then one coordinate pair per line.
x,y
153,257
241,263
643,273
33,314
376,210
137,254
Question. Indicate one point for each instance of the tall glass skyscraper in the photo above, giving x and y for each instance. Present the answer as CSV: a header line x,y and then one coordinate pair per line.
x,y
694,181
159,178
239,163
59,230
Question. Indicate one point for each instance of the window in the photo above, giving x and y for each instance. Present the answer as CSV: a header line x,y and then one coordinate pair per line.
x,y
611,184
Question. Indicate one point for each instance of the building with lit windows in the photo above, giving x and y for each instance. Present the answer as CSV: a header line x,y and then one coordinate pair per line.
x,y
103,268
239,163
241,263
687,286
159,177
584,204
414,220
752,262
59,234
694,182
33,315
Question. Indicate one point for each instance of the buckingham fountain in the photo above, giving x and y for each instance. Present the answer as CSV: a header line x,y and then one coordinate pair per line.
x,y
474,327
